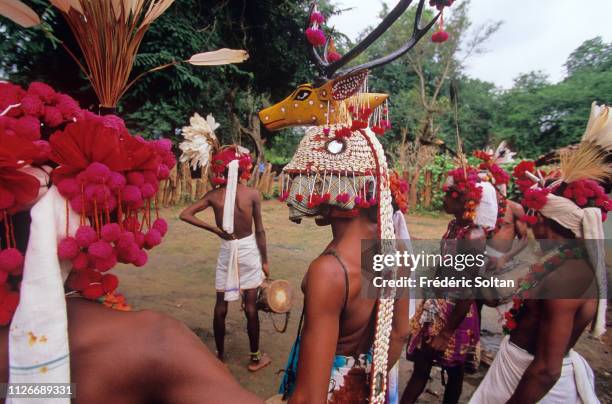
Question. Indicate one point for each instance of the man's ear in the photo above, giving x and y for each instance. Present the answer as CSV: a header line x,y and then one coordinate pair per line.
x,y
346,86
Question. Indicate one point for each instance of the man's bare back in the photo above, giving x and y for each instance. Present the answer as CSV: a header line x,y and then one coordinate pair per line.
x,y
243,214
138,357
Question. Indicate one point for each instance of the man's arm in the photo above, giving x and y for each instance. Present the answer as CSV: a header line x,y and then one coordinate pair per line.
x,y
260,234
554,333
520,228
323,300
189,215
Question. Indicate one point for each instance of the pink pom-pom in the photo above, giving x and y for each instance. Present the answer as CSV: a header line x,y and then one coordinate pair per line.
x,y
43,91
333,56
439,36
98,193
139,238
28,128
161,226
163,172
153,238
11,261
53,117
100,250
7,199
142,258
68,249
147,191
85,236
97,172
317,18
3,277
316,37
32,105
131,194
110,232
81,262
68,107
116,181
68,187
163,145
125,240
44,151
76,204
109,283
105,264
135,178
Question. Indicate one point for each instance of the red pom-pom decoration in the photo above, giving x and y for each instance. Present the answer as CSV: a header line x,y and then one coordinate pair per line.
x,y
11,261
53,117
28,128
81,262
110,232
135,178
317,18
68,249
43,91
315,36
116,181
440,36
85,236
105,264
68,187
141,259
32,105
161,226
97,172
152,239
100,250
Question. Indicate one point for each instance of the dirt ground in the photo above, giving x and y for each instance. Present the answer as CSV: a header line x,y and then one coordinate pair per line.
x,y
179,281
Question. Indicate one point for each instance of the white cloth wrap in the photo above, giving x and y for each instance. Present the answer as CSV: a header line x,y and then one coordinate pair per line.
x,y
232,277
248,260
38,335
575,385
584,223
486,211
402,237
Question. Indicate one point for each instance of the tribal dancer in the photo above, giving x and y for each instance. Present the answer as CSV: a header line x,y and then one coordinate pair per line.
x,y
536,361
502,245
67,324
445,331
339,176
242,265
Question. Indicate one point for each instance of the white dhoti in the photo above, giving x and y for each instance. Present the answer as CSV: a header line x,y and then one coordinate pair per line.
x,y
250,274
575,385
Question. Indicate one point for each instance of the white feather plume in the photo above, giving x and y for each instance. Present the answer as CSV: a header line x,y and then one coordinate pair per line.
x,y
200,141
503,154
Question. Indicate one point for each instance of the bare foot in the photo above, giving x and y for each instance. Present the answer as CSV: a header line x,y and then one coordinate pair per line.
x,y
264,361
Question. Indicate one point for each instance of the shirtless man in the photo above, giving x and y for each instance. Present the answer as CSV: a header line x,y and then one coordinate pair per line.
x,y
138,357
562,294
545,333
253,260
